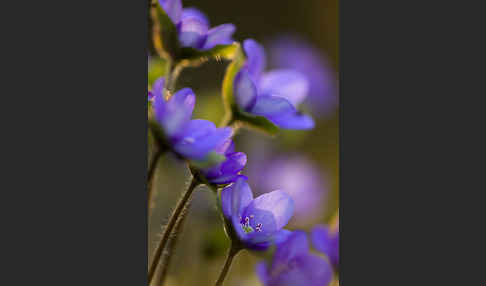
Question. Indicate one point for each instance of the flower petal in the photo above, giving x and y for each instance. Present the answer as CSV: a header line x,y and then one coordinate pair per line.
x,y
277,238
235,163
227,179
266,215
278,203
305,270
225,147
326,242
245,90
192,32
262,272
226,199
265,222
256,59
176,112
158,86
199,137
281,236
235,198
296,244
294,120
285,83
173,8
219,35
192,12
227,171
271,106
292,52
281,112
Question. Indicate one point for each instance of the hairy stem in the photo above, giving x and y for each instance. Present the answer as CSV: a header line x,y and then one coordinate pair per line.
x,y
172,244
229,259
150,176
168,229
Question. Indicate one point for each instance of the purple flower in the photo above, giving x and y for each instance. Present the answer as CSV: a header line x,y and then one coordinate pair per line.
x,y
327,241
227,171
255,223
294,265
291,52
274,94
191,139
300,179
193,27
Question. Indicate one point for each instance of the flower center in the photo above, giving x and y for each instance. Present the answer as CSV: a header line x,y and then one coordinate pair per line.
x,y
247,228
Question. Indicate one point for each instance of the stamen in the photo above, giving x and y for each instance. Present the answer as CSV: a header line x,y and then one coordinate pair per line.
x,y
245,225
258,227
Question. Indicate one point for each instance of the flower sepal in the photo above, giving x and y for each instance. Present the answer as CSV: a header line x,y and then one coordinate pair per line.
x,y
213,158
256,122
196,173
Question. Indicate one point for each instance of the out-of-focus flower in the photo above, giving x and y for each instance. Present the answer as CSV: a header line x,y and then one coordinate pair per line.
x,y
275,94
229,170
256,223
190,139
193,27
299,178
294,265
291,52
327,241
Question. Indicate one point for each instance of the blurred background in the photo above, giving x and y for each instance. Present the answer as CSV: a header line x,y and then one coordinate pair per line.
x,y
298,34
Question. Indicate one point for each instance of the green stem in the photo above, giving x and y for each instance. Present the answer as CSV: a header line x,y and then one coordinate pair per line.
x,y
168,229
227,120
229,259
174,75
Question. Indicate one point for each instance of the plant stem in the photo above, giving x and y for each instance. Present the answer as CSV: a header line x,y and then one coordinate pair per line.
x,y
174,75
231,254
168,229
227,120
150,175
172,244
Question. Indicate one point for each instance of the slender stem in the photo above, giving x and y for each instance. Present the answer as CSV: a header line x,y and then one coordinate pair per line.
x,y
174,75
168,229
150,176
231,254
227,120
172,244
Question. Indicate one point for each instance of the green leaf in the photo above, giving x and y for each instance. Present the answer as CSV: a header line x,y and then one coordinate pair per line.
x,y
164,33
259,123
231,71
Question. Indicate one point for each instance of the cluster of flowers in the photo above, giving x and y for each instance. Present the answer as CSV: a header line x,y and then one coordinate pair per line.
x,y
252,223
